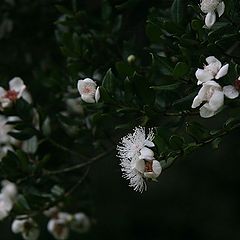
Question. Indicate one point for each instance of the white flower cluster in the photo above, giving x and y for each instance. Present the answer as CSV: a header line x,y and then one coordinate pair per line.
x,y
88,90
7,198
209,7
137,159
61,223
17,89
211,93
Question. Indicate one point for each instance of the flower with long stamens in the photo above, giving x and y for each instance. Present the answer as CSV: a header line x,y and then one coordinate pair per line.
x,y
209,7
134,153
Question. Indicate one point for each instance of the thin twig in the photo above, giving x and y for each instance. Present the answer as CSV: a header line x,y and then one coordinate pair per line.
x,y
53,203
65,149
78,166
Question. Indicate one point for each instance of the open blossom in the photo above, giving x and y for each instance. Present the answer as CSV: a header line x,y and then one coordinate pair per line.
x,y
59,225
28,228
7,198
5,206
15,91
88,90
214,70
137,158
209,7
212,94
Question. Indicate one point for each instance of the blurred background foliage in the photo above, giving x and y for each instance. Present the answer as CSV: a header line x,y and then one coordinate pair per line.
x,y
51,44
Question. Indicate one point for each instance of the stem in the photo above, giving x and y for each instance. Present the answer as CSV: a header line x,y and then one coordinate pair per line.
x,y
53,203
65,149
181,153
78,166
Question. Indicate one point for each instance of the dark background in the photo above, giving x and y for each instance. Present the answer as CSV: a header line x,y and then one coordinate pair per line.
x,y
197,198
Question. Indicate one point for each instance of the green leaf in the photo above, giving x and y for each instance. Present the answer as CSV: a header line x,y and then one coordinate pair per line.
x,y
57,191
170,87
142,88
178,11
109,81
176,142
24,134
216,142
124,69
21,203
185,102
196,25
197,131
180,70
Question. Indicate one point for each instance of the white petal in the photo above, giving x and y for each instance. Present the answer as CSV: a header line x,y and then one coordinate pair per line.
x,y
31,234
97,95
17,85
9,189
139,165
211,83
196,102
30,145
18,226
88,98
220,8
146,153
203,75
217,100
150,175
205,112
27,96
2,92
157,169
82,83
230,92
210,19
222,72
80,223
148,143
212,59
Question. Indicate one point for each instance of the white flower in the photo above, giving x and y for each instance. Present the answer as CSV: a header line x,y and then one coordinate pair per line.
x,y
80,223
6,205
9,189
7,198
16,89
132,144
214,70
58,226
210,7
232,91
88,90
27,227
134,154
212,94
